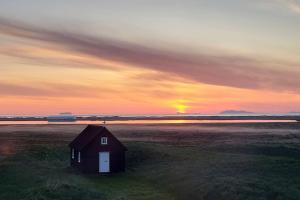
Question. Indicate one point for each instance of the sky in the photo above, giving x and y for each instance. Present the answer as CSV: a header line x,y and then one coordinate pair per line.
x,y
149,56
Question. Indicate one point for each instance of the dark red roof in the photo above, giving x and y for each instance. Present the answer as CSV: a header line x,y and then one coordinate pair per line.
x,y
87,136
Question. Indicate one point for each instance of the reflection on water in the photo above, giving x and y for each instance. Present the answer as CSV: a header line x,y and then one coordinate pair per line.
x,y
147,122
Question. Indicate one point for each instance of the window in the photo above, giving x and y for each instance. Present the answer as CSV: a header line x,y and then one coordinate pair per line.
x,y
103,140
79,159
73,153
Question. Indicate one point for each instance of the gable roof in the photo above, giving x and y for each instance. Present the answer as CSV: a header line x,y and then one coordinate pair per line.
x,y
87,136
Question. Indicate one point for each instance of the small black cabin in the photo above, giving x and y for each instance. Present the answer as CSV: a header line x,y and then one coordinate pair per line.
x,y
97,150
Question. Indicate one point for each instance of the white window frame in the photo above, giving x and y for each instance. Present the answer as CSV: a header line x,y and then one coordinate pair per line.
x,y
79,157
104,140
73,153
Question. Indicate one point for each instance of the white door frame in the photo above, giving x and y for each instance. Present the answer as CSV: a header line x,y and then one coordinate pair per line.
x,y
104,162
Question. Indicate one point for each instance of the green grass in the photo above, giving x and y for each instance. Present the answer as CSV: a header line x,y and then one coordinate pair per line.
x,y
157,171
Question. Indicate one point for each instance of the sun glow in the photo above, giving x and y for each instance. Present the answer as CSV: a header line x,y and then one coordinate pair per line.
x,y
180,106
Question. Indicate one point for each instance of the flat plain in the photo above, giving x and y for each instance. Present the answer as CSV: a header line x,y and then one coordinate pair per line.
x,y
164,161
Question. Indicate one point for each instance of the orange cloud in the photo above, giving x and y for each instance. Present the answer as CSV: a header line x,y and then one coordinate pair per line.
x,y
234,71
54,71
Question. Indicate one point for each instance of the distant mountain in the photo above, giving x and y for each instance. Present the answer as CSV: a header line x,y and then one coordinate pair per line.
x,y
235,112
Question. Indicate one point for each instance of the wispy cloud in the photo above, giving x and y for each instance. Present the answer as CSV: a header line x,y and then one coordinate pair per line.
x,y
235,71
292,4
50,90
42,59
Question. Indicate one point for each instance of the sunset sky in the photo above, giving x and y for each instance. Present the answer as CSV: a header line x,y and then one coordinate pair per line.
x,y
149,56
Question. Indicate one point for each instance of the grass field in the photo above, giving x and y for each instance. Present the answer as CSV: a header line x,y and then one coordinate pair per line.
x,y
213,161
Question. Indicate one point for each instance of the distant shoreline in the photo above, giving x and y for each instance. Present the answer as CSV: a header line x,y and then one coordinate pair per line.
x,y
179,117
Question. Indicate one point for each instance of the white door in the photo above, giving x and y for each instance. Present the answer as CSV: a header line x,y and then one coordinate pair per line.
x,y
103,162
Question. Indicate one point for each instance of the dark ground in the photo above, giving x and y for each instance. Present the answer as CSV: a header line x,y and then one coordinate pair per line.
x,y
183,161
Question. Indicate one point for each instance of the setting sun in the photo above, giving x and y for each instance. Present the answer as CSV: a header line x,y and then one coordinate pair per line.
x,y
180,107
